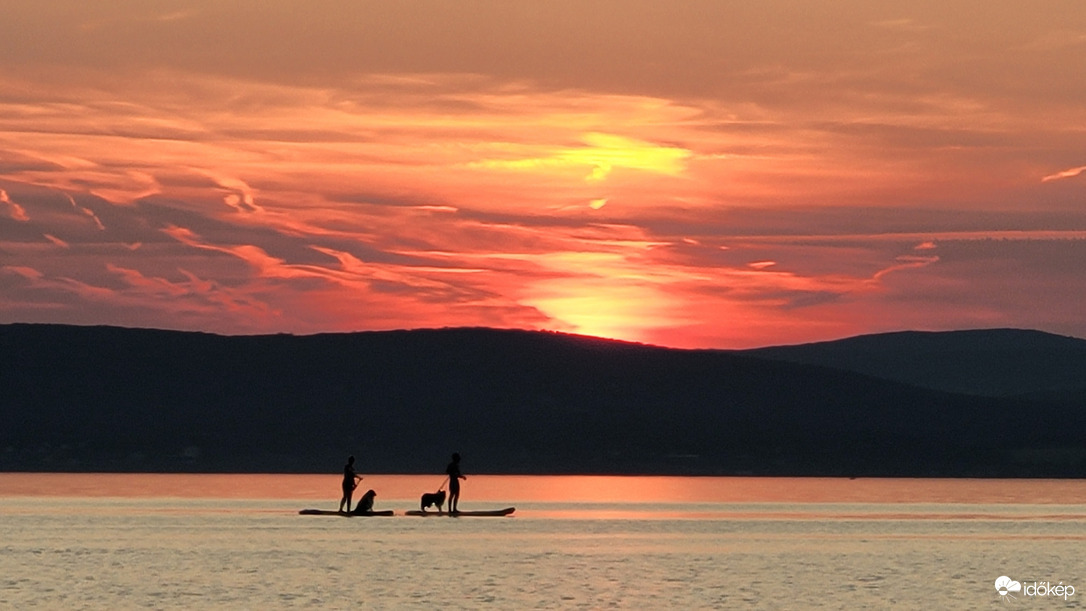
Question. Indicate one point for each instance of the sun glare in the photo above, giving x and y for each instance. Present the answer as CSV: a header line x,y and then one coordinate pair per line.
x,y
614,311
601,155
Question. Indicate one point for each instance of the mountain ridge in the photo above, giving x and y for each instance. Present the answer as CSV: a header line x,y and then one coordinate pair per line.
x,y
511,401
987,362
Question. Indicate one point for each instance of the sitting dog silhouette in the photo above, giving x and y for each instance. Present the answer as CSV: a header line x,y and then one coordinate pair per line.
x,y
365,504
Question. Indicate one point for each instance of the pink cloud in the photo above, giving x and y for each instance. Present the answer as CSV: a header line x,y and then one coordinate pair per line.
x,y
1071,173
906,262
55,240
15,211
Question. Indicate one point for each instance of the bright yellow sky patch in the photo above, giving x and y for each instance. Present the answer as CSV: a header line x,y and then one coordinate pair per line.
x,y
604,153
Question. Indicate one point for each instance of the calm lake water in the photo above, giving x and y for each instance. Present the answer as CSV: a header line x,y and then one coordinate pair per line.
x,y
237,542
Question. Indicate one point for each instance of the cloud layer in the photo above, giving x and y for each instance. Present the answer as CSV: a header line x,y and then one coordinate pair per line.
x,y
707,175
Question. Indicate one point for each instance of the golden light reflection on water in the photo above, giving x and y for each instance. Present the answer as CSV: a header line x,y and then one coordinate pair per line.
x,y
554,489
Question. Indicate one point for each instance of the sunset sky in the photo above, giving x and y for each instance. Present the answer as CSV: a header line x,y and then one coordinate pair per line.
x,y
697,174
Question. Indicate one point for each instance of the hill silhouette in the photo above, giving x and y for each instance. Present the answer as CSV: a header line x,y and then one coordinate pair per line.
x,y
113,399
991,363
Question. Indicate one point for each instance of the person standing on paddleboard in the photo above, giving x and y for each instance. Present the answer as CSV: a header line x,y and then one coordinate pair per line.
x,y
453,471
350,482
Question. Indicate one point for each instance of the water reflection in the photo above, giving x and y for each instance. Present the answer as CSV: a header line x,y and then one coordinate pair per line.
x,y
622,493
237,541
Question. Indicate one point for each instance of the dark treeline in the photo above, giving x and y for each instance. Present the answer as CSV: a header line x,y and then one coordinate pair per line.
x,y
112,399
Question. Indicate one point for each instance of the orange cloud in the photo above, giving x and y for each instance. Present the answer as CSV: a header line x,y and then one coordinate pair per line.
x,y
714,184
15,211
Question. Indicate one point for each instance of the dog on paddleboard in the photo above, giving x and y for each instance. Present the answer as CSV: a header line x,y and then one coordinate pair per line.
x,y
365,504
437,499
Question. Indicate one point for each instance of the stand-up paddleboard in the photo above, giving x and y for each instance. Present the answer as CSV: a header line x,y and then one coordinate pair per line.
x,y
363,514
494,513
